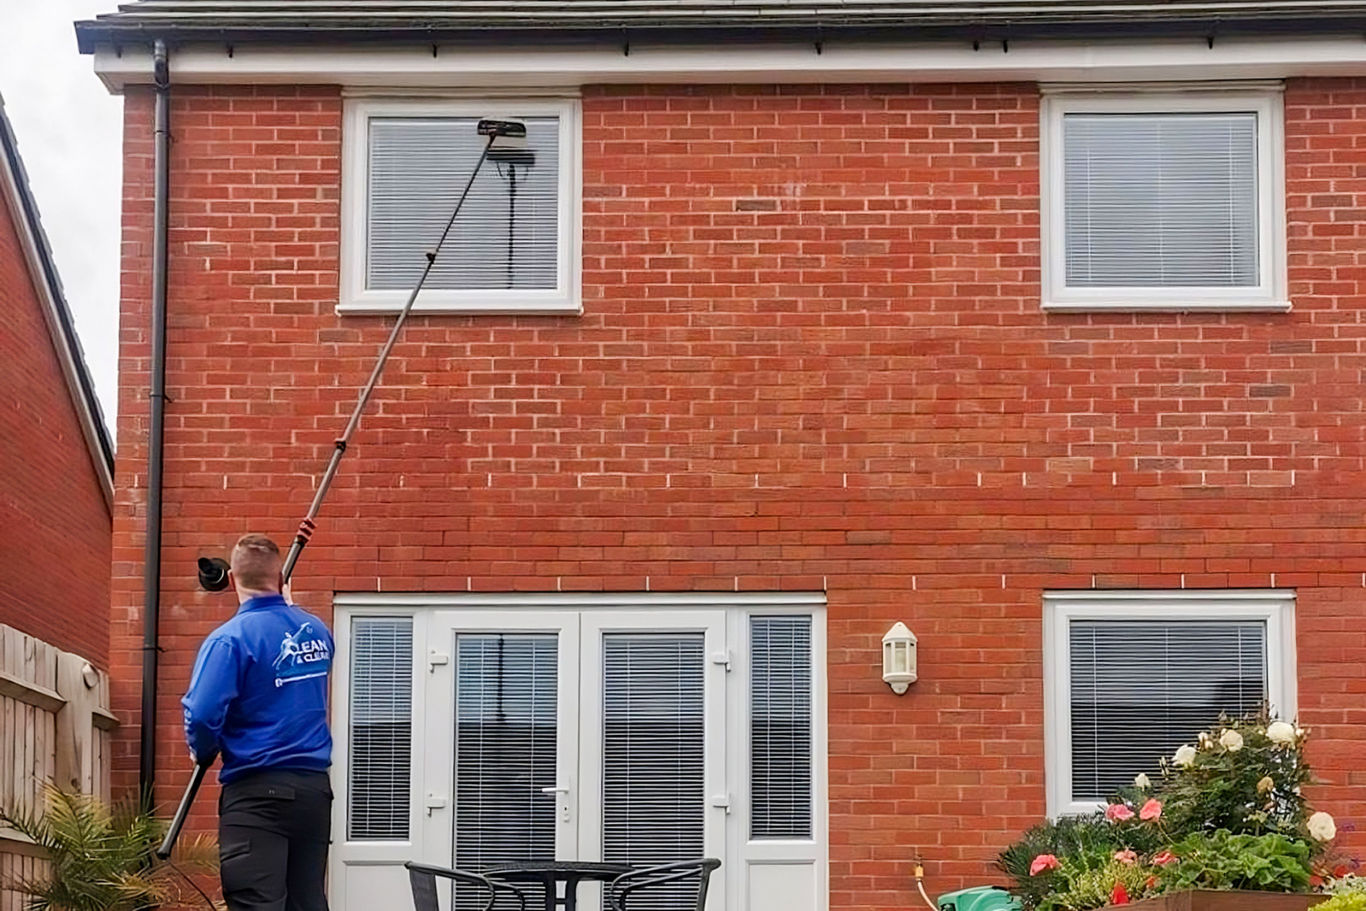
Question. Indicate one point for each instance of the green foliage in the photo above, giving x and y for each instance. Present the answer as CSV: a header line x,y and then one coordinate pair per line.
x,y
1091,884
100,858
1230,816
1081,842
1228,789
1225,860
1344,901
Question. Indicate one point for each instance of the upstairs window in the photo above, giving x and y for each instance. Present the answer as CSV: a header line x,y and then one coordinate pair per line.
x,y
513,247
1163,201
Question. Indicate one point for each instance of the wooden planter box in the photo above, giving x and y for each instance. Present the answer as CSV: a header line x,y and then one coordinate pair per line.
x,y
1201,900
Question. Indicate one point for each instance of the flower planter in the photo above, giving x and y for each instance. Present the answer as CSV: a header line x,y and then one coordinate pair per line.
x,y
1203,900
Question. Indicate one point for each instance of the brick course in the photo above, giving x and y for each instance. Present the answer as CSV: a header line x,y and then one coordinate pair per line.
x,y
812,358
54,575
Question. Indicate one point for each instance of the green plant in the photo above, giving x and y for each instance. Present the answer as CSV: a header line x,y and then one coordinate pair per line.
x,y
1344,901
1244,776
100,858
1079,843
1227,860
1085,885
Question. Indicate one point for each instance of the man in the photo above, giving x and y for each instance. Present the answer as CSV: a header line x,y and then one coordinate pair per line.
x,y
258,697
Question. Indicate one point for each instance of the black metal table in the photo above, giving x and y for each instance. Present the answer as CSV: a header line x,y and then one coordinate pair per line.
x,y
550,873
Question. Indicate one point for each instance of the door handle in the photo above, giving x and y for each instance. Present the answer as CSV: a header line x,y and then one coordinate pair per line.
x,y
561,794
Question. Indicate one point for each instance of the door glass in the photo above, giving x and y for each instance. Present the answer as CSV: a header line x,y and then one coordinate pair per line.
x,y
505,743
652,755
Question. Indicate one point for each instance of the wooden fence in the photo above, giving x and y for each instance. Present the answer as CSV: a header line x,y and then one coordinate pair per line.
x,y
54,727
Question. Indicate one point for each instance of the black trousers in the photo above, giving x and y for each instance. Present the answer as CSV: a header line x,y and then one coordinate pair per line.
x,y
273,831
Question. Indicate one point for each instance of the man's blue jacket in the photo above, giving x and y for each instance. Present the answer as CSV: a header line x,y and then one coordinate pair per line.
x,y
258,694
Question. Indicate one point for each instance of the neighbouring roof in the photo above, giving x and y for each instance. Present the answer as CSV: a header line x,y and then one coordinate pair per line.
x,y
14,183
422,20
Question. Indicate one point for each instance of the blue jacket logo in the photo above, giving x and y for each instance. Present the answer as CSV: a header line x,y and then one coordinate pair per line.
x,y
301,657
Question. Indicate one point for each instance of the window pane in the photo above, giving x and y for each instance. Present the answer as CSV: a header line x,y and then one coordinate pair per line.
x,y
652,755
381,735
780,727
1142,688
1161,200
507,233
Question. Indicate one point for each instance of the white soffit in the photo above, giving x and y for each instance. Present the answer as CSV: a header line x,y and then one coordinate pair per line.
x,y
795,62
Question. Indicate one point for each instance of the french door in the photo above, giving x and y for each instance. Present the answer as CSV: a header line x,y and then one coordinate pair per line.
x,y
579,736
474,730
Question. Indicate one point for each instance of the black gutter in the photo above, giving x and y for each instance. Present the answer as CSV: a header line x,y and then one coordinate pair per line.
x,y
379,31
151,574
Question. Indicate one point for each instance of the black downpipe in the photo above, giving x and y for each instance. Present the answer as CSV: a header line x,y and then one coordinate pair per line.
x,y
151,573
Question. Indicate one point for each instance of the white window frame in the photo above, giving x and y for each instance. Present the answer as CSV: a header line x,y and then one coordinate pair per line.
x,y
1271,291
1275,607
565,298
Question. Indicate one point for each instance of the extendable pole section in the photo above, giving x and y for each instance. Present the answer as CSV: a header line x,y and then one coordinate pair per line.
x,y
493,129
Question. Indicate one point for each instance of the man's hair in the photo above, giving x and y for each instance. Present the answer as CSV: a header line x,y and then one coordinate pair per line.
x,y
256,563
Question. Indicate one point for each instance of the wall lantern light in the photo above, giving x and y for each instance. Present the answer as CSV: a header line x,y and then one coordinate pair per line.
x,y
898,658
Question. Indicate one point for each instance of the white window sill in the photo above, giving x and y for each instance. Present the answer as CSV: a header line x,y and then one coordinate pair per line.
x,y
465,308
1179,305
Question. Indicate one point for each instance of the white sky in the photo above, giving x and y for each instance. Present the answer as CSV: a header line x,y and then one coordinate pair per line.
x,y
69,131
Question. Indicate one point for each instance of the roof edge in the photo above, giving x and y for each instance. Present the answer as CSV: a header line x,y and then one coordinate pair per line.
x,y
61,325
92,34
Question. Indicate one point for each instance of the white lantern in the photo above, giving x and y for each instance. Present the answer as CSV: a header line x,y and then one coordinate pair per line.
x,y
898,658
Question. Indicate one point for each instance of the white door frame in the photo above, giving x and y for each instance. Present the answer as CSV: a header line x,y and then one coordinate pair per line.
x,y
743,856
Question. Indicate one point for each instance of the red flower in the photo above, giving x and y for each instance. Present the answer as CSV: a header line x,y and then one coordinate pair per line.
x,y
1043,862
1339,871
1164,857
1127,856
1150,883
1151,810
1119,895
1316,881
1118,812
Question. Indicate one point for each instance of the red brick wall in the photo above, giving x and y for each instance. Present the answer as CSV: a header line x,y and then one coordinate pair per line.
x,y
54,559
812,358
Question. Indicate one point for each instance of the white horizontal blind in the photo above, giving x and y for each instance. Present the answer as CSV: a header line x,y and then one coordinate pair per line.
x,y
381,728
1142,688
505,739
652,755
508,232
1161,200
780,727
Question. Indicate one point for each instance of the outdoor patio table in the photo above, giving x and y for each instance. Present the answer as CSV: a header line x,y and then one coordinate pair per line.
x,y
550,872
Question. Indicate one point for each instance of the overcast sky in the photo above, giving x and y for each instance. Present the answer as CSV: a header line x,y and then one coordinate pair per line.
x,y
68,128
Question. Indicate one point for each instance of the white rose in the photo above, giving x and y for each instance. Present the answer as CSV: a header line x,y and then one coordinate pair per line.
x,y
1231,740
1141,781
1185,755
1322,827
1281,732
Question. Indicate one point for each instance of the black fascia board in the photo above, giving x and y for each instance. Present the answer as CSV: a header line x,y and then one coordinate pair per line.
x,y
94,33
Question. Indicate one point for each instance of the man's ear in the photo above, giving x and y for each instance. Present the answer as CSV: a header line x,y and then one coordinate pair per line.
x,y
232,580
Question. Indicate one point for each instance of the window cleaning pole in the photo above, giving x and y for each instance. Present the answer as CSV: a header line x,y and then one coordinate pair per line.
x,y
511,130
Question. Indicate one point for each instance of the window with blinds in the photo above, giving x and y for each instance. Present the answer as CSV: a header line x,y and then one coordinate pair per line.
x,y
505,744
1142,688
381,729
1161,200
780,732
508,233
652,754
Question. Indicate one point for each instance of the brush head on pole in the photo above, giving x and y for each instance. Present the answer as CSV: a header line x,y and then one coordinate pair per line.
x,y
506,134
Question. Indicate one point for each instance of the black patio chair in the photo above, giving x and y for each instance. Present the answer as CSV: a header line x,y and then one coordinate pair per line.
x,y
423,880
664,875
